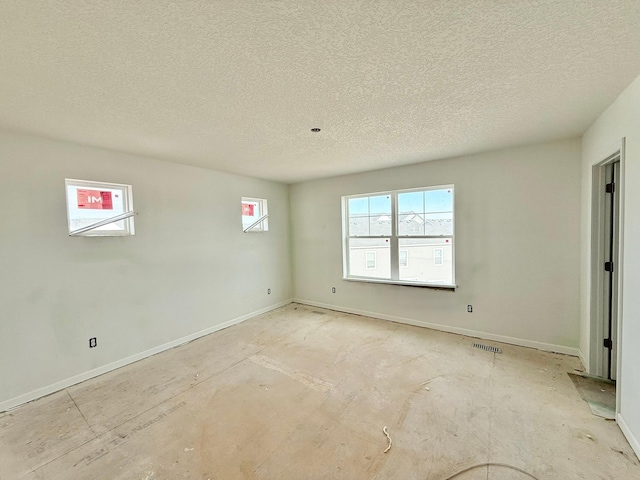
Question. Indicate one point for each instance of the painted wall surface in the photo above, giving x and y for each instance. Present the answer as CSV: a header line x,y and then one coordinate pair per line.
x,y
517,245
621,119
188,268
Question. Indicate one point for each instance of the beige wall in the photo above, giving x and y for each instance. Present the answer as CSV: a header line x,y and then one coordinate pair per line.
x,y
188,269
517,245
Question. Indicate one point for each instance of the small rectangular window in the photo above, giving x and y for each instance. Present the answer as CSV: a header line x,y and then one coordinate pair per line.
x,y
254,215
371,260
404,258
437,256
99,209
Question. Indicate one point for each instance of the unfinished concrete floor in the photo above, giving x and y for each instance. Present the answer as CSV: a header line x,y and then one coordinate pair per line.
x,y
303,393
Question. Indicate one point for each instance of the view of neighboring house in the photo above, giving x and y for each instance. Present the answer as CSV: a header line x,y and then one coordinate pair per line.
x,y
421,258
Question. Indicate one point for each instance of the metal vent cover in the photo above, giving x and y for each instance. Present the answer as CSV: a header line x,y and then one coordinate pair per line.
x,y
488,348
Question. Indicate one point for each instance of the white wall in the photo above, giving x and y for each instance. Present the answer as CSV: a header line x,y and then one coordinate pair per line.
x,y
189,267
517,246
621,119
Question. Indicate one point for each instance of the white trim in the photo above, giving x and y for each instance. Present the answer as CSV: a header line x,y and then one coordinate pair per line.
x,y
633,441
62,384
384,281
596,278
583,360
623,173
548,347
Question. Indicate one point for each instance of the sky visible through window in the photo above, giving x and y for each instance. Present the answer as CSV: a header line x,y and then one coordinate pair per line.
x,y
429,201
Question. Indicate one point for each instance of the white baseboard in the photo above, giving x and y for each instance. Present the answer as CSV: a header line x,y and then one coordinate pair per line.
x,y
585,364
55,387
548,347
633,441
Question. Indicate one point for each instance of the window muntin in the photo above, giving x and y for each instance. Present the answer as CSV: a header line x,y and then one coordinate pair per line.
x,y
398,224
89,203
253,210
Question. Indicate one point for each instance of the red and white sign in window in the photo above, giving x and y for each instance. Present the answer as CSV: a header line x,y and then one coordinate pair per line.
x,y
247,209
94,200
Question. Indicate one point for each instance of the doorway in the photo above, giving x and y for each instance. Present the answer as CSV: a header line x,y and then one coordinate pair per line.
x,y
605,267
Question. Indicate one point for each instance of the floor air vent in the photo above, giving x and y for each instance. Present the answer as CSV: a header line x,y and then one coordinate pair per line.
x,y
488,348
317,312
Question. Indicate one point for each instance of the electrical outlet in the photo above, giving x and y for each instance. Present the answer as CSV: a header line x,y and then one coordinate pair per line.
x,y
93,342
333,289
470,308
268,291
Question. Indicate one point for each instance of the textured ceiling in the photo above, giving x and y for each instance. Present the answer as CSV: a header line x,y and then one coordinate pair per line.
x,y
236,85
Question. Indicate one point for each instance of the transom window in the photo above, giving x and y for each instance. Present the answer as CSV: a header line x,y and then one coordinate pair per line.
x,y
382,230
99,209
254,215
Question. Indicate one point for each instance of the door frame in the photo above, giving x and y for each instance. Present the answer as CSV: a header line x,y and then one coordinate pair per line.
x,y
597,358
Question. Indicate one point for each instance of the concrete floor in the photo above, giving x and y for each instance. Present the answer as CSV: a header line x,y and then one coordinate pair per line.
x,y
303,393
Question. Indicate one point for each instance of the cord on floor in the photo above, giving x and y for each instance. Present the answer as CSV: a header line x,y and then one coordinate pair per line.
x,y
490,464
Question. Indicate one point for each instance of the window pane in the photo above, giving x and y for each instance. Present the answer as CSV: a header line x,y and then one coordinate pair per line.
x,y
411,224
380,205
412,202
370,216
370,257
410,213
359,216
424,254
359,206
438,200
439,224
380,225
429,212
358,226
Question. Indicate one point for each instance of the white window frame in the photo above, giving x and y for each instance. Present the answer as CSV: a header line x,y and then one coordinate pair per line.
x,y
394,239
366,260
436,264
262,223
406,257
98,229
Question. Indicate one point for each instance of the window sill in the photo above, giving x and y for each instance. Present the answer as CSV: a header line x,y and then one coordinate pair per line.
x,y
433,286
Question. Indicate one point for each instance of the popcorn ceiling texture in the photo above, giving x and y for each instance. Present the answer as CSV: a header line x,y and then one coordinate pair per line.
x,y
236,86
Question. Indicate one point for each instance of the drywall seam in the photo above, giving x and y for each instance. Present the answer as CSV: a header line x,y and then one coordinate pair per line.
x,y
55,387
548,347
633,441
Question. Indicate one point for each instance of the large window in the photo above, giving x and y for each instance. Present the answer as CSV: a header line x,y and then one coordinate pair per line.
x,y
382,230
